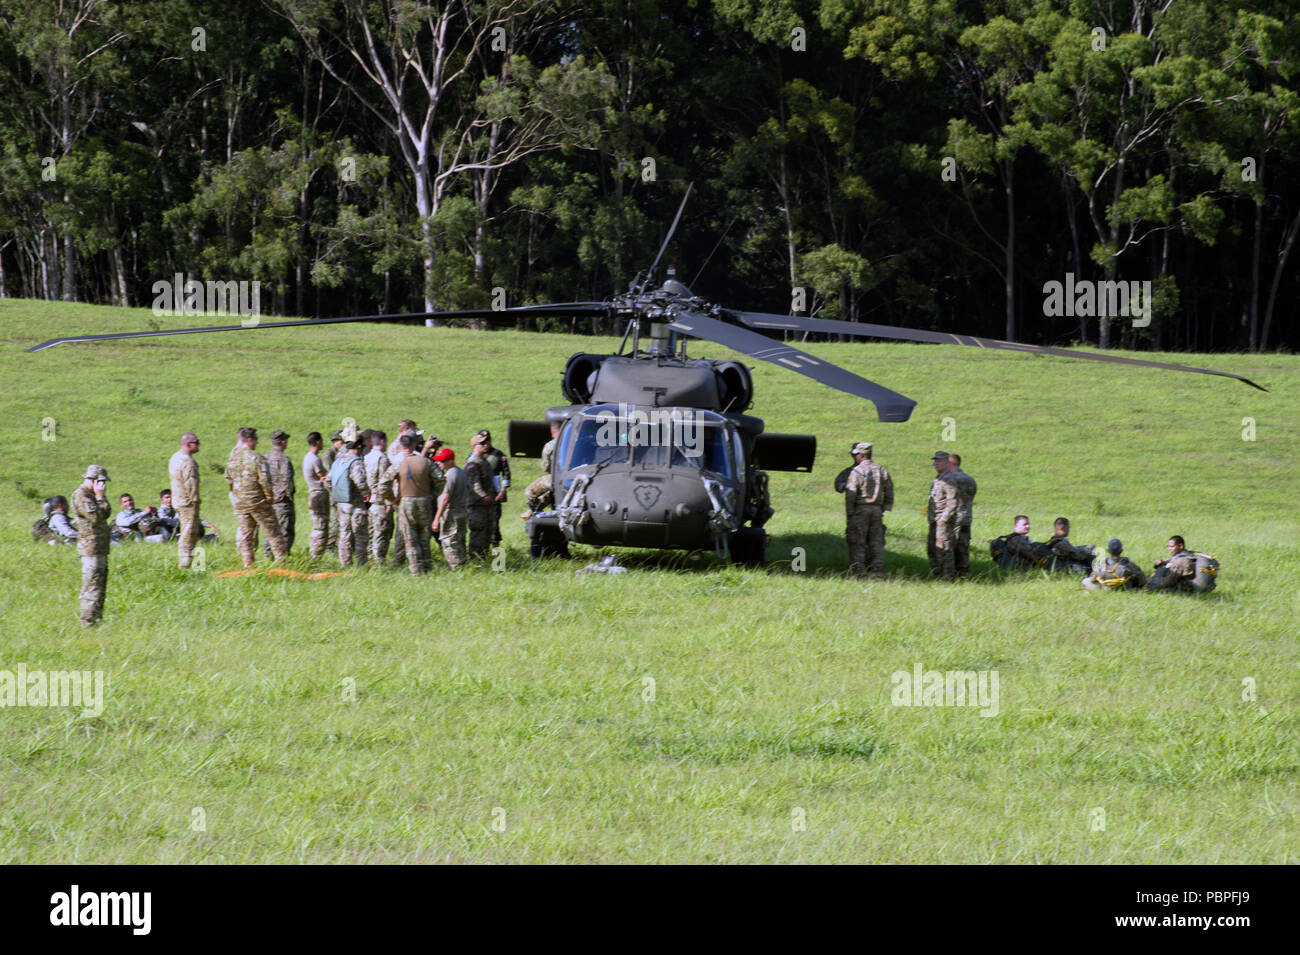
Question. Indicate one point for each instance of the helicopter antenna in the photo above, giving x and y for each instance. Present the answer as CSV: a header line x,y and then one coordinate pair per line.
x,y
669,237
715,249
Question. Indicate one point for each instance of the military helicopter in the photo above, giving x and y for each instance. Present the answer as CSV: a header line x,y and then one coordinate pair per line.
x,y
654,449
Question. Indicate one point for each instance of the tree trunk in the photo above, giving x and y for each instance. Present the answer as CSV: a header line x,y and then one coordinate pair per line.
x,y
1278,269
1009,273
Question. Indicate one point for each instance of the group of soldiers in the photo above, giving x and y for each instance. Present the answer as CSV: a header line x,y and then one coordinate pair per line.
x,y
362,495
869,492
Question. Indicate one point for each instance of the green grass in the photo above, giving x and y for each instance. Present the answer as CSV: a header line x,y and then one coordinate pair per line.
x,y
523,691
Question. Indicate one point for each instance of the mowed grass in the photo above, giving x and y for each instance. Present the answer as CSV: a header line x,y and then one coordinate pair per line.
x,y
510,716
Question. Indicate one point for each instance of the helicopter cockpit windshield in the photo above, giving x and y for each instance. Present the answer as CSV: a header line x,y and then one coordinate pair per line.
x,y
656,439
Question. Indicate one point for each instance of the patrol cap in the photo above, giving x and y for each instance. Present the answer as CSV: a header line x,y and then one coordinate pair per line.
x,y
1114,546
336,434
483,435
279,434
941,456
97,472
862,447
446,454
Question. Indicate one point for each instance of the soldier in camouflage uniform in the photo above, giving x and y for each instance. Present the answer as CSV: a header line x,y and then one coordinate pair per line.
x,y
327,458
252,494
1066,556
453,508
966,489
281,468
868,494
90,513
1178,571
381,496
483,506
538,495
499,468
314,475
419,481
1016,551
354,517
183,471
941,512
1114,571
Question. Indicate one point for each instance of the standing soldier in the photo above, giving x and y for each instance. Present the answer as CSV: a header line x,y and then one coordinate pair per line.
x,y
381,497
399,450
281,468
941,511
483,506
868,493
499,468
252,493
314,474
453,509
90,511
184,473
966,489
538,494
414,474
327,458
351,497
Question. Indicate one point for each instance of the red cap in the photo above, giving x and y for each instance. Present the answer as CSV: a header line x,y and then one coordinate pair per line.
x,y
446,454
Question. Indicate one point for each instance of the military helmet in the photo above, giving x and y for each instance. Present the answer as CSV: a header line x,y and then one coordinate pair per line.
x,y
1115,547
96,472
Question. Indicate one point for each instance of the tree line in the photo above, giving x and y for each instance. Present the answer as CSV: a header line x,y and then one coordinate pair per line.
x,y
930,163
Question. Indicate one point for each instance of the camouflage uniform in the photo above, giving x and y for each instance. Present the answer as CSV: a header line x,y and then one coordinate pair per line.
x,y
1179,573
282,486
90,515
381,504
455,516
1065,556
399,535
538,494
498,466
482,507
941,512
354,519
328,455
184,473
1021,553
318,503
868,493
966,489
1114,573
251,492
419,483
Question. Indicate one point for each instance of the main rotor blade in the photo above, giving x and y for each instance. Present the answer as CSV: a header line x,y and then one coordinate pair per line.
x,y
649,276
890,405
863,330
562,308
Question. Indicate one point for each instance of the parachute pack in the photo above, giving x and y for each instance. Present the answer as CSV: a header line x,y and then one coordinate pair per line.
x,y
340,483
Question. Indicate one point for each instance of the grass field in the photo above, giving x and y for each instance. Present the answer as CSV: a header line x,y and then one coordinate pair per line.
x,y
686,711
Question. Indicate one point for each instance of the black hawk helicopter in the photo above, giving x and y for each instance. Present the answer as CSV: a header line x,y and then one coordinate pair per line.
x,y
654,448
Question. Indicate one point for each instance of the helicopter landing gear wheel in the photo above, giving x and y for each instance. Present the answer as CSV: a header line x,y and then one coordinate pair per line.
x,y
547,542
749,547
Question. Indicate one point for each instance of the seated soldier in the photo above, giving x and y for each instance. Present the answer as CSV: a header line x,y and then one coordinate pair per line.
x,y
1184,569
55,527
1114,571
1016,551
167,522
128,523
1065,556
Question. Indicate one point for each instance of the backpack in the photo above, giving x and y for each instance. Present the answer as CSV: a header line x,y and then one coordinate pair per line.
x,y
340,483
41,532
1207,570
